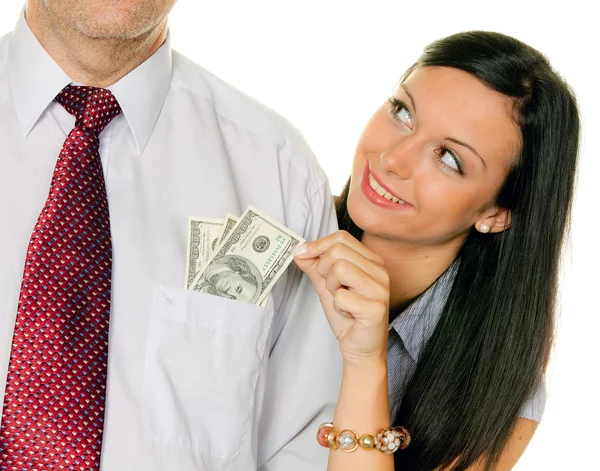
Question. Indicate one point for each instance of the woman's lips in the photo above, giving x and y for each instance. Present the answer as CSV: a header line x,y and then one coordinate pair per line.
x,y
379,194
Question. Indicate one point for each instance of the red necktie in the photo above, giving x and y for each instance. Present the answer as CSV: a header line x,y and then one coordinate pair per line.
x,y
53,410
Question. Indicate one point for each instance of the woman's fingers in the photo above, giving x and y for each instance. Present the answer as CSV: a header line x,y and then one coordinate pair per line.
x,y
318,247
354,288
344,274
339,252
363,310
309,266
349,278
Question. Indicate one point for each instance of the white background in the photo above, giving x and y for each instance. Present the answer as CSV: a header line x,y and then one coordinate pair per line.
x,y
326,65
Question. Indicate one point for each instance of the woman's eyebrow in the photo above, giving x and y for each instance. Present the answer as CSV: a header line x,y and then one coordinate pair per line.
x,y
456,141
412,101
471,148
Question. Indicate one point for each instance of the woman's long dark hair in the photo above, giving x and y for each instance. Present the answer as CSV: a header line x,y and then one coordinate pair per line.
x,y
490,349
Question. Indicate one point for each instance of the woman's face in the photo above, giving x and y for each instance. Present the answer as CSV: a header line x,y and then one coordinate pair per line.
x,y
441,151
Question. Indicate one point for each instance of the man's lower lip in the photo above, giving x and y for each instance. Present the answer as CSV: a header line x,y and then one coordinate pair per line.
x,y
376,198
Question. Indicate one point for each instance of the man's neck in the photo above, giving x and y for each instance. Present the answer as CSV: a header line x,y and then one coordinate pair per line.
x,y
94,62
412,269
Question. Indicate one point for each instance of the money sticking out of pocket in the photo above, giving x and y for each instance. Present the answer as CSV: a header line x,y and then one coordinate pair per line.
x,y
230,221
251,255
204,235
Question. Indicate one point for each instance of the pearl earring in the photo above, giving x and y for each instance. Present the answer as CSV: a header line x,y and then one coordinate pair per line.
x,y
485,228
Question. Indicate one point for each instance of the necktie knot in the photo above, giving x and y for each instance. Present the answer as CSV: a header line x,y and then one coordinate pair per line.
x,y
92,107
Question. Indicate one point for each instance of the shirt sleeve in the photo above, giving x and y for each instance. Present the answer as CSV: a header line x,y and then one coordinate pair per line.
x,y
305,367
533,409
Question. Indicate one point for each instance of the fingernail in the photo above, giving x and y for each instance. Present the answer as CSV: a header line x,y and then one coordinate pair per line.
x,y
299,250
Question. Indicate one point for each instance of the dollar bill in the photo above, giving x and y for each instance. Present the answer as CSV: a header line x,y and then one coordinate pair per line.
x,y
253,256
230,221
203,240
265,300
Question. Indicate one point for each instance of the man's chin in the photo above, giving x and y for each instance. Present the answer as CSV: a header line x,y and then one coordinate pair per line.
x,y
113,25
107,32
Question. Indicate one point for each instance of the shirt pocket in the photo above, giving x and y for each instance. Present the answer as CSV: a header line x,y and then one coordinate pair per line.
x,y
203,359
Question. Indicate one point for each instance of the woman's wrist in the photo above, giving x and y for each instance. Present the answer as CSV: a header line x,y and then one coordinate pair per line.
x,y
363,397
369,366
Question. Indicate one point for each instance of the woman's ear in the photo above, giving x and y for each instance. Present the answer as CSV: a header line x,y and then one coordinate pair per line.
x,y
493,221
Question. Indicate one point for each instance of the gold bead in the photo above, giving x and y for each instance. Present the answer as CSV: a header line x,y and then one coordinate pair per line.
x,y
332,439
367,441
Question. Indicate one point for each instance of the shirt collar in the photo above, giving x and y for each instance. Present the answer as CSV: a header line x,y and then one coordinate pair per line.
x,y
142,93
416,323
35,80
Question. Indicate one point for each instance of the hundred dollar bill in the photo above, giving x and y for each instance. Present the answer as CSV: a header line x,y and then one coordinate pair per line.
x,y
203,239
250,260
230,221
265,300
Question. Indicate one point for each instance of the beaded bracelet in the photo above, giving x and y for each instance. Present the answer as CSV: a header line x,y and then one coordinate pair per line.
x,y
388,440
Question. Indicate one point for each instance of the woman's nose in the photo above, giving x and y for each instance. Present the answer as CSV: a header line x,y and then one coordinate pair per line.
x,y
401,158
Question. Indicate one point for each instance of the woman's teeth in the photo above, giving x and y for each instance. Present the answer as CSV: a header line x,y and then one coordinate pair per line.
x,y
382,192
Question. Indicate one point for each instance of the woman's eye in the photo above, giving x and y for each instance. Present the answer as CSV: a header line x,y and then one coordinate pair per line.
x,y
238,289
404,116
401,112
448,158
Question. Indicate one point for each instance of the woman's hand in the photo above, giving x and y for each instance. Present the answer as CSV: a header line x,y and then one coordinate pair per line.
x,y
354,290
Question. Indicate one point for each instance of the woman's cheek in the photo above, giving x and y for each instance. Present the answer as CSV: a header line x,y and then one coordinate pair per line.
x,y
445,203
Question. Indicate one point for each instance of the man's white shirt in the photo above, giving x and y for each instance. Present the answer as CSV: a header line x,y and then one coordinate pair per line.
x,y
195,382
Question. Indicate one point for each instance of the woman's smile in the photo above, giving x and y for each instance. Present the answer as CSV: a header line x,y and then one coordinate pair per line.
x,y
378,194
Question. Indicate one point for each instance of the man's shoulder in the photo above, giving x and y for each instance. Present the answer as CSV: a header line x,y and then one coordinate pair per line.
x,y
229,102
244,112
